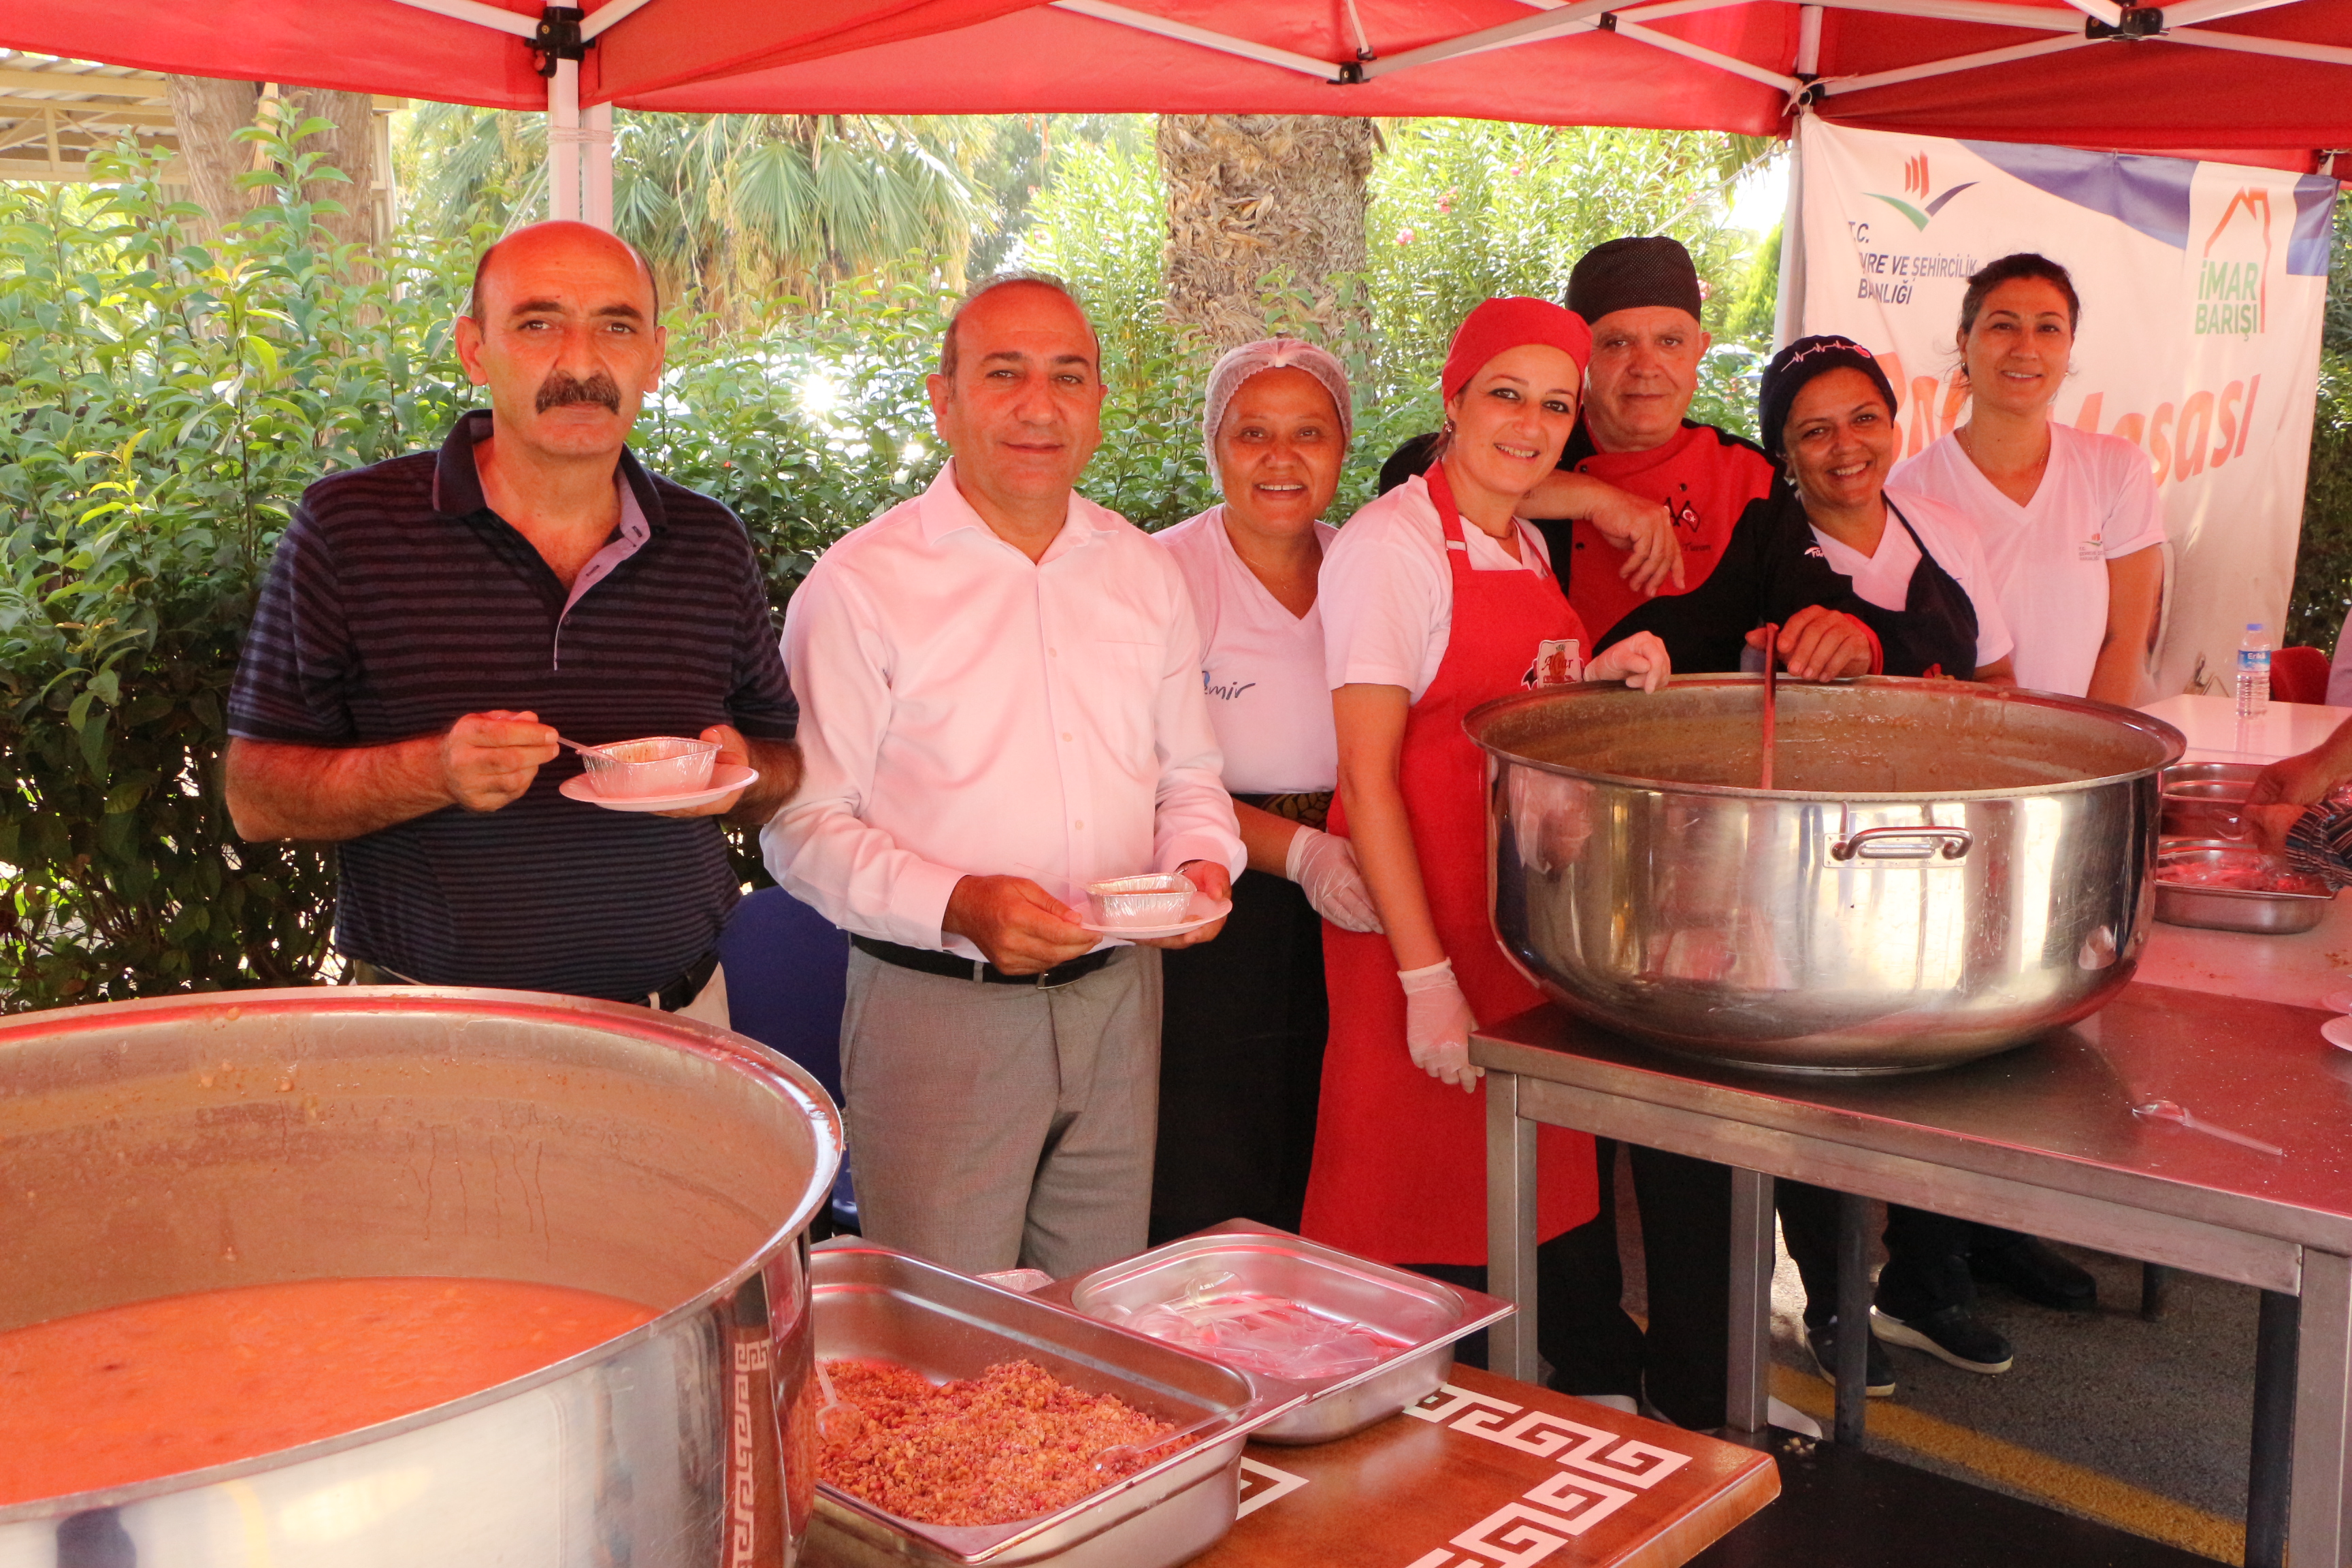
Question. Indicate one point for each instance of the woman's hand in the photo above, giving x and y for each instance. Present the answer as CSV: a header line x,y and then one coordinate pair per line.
x,y
1437,1025
1324,867
1821,644
1640,660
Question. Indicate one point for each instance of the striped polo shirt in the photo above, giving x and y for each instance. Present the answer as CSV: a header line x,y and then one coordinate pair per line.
x,y
398,603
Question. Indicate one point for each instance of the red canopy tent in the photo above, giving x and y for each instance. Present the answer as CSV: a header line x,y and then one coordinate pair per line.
x,y
2261,81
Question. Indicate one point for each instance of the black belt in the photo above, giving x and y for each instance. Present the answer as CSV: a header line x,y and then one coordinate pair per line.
x,y
689,985
931,960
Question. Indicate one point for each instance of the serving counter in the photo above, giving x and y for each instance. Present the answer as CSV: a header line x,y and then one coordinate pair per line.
x,y
2041,1139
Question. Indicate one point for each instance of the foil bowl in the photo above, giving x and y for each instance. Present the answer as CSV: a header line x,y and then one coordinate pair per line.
x,y
656,765
1141,902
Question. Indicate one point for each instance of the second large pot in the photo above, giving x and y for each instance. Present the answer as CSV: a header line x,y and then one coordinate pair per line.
x,y
1949,870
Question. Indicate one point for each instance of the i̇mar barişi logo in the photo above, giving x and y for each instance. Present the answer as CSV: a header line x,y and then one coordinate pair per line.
x,y
2232,274
1916,184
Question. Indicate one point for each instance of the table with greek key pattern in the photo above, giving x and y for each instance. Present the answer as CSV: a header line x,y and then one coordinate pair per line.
x,y
1489,1473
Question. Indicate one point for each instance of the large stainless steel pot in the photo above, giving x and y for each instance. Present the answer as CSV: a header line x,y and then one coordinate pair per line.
x,y
1947,871
194,1143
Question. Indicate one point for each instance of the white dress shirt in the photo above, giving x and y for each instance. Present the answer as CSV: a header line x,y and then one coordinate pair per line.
x,y
966,712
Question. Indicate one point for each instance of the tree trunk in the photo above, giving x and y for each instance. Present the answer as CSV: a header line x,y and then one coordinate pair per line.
x,y
1249,194
349,145
207,114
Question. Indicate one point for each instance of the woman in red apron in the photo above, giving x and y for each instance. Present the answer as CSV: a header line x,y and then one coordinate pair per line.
x,y
1435,598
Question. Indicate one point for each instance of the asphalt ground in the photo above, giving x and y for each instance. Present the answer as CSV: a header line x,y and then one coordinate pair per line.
x,y
2144,1426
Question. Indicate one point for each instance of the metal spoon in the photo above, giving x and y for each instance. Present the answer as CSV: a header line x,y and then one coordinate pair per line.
x,y
2165,1110
1771,678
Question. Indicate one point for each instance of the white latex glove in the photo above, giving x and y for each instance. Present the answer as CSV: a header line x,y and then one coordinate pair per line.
x,y
1324,866
1640,660
1437,1025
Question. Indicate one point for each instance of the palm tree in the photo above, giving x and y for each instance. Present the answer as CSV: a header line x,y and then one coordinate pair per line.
x,y
736,211
1251,194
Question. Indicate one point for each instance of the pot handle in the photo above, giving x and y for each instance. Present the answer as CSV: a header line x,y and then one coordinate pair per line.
x,y
1922,843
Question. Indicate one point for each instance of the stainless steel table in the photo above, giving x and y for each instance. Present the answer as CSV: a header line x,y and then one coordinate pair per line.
x,y
2041,1139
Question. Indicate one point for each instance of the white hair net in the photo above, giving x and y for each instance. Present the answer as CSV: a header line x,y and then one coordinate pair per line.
x,y
1237,366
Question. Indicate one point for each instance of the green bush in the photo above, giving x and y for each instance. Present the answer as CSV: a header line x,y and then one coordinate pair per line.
x,y
2323,564
163,404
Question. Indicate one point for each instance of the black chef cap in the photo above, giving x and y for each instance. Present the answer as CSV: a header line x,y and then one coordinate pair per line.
x,y
1799,363
1628,274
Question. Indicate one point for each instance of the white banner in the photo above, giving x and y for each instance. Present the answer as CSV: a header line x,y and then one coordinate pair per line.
x,y
2202,288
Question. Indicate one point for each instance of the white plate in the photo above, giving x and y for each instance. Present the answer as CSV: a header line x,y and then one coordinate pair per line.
x,y
725,780
2337,1032
1204,909
2338,1001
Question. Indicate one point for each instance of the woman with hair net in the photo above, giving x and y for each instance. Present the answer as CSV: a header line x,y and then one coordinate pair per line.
x,y
1241,1056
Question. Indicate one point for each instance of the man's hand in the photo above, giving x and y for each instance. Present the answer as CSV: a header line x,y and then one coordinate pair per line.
x,y
1821,644
1021,927
1642,528
1212,879
2285,789
488,760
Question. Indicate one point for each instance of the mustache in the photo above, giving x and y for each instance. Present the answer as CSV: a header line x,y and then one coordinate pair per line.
x,y
563,387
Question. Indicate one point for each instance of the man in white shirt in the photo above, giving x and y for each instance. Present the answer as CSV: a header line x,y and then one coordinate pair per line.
x,y
1001,701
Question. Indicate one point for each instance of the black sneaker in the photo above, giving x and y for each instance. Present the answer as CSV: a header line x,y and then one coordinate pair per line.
x,y
1950,1334
1878,1377
2030,1269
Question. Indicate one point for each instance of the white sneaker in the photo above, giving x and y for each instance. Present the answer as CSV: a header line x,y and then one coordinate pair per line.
x,y
1789,1418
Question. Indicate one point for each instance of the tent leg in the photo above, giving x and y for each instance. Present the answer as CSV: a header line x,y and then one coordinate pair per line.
x,y
1788,317
598,143
563,141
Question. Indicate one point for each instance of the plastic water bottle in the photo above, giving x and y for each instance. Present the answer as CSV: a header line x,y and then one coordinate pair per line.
x,y
2253,672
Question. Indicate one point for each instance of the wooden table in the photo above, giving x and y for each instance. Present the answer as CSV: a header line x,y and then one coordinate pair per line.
x,y
1489,1473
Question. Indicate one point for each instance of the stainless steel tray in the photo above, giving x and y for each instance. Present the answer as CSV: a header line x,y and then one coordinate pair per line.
x,y
1428,1315
2201,799
872,1301
2230,908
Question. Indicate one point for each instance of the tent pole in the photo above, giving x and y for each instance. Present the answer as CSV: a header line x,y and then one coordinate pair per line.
x,y
599,172
2058,46
1789,309
563,141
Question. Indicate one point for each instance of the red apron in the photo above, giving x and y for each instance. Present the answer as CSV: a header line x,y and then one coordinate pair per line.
x,y
1399,1171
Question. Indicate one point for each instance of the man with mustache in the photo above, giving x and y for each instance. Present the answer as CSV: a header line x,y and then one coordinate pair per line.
x,y
1003,683
431,623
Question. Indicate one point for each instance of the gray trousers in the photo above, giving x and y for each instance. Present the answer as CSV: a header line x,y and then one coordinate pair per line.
x,y
995,1126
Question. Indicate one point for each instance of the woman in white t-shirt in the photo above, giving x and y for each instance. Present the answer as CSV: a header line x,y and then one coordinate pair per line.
x,y
1244,1018
2068,519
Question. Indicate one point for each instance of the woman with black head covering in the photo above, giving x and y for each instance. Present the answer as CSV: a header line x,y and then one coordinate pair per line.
x,y
1832,538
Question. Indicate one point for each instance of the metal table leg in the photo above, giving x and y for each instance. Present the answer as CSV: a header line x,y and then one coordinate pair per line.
x,y
1511,1227
2274,1447
1750,1364
1853,1316
2317,1529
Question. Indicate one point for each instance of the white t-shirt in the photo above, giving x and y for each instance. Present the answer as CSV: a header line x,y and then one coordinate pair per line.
x,y
1261,665
1387,596
2049,558
1884,577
